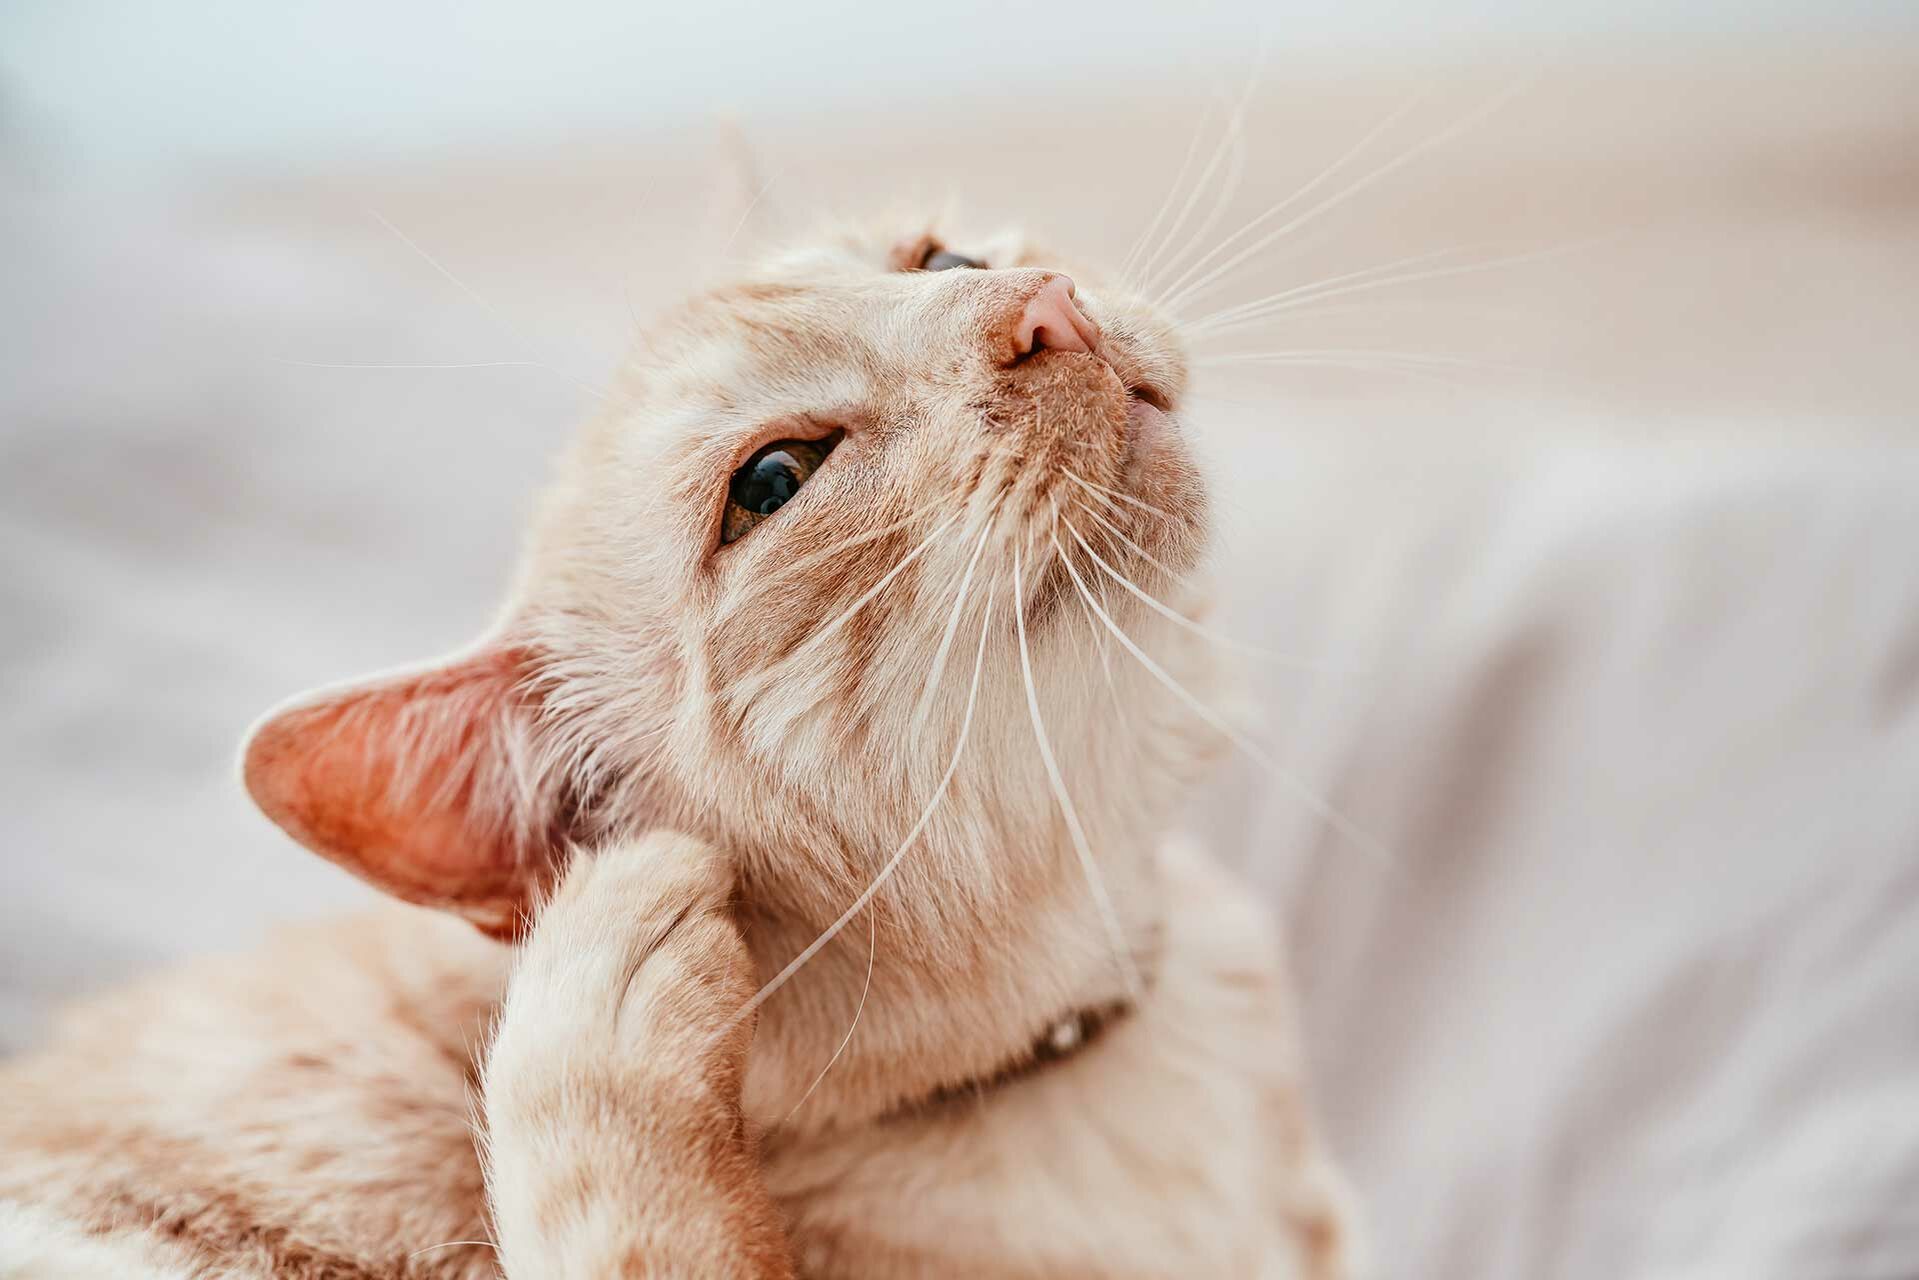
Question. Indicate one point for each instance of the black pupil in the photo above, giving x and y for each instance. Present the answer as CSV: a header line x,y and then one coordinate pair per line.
x,y
945,260
764,484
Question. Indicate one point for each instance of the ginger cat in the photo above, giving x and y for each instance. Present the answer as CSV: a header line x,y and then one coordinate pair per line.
x,y
820,768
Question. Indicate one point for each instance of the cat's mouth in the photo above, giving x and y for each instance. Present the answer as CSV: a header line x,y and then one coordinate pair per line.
x,y
1149,426
1149,394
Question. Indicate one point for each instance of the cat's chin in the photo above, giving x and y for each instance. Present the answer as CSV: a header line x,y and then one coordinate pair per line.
x,y
1149,433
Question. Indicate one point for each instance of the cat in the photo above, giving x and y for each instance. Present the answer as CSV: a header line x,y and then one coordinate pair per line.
x,y
811,802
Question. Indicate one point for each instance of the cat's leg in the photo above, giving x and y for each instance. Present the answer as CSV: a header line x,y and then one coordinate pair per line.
x,y
616,1145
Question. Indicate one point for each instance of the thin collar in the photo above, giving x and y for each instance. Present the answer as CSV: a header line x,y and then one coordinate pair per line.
x,y
1063,1038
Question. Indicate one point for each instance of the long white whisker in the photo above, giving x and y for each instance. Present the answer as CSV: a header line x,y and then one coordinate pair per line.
x,y
938,667
1228,188
1233,119
1388,368
1346,158
1212,321
479,301
1208,281
1288,299
1132,546
1104,644
1373,307
1081,846
832,931
1364,355
880,586
832,549
844,544
1220,725
1126,271
1174,616
1102,492
872,951
384,364
485,1244
1230,140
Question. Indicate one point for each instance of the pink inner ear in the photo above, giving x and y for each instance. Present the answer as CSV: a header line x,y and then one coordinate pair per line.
x,y
410,783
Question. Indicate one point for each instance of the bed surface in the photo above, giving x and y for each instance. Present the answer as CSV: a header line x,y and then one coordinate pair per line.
x,y
1606,628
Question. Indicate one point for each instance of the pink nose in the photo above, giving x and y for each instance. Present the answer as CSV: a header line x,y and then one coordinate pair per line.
x,y
1053,320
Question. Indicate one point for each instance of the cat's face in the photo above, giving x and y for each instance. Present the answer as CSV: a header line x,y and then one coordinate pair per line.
x,y
776,580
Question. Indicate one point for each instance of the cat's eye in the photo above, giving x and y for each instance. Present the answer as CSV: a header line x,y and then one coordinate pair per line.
x,y
768,480
947,260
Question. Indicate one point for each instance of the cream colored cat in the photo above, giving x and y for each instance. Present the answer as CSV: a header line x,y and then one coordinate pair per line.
x,y
823,762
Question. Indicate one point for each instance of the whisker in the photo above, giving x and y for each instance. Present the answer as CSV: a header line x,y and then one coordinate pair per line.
x,y
866,597
1104,494
1346,158
1374,307
1287,299
1210,279
382,364
832,931
832,549
1103,641
872,951
1081,846
938,667
1417,374
745,214
1132,546
1104,644
1175,616
1364,355
479,301
1221,726
485,1244
1126,265
1229,141
1214,320
1148,267
885,578
1228,187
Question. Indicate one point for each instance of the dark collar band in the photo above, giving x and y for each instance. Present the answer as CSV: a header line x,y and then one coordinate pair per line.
x,y
1064,1038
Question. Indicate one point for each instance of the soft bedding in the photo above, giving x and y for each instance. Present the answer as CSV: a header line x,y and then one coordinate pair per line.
x,y
1595,705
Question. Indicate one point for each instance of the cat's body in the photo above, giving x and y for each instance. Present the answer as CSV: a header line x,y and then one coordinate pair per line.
x,y
309,1111
927,802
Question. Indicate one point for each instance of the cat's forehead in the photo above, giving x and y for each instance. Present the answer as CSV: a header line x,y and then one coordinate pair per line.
x,y
894,243
748,342
831,315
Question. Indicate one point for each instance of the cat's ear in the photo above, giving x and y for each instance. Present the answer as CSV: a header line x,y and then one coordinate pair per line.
x,y
424,783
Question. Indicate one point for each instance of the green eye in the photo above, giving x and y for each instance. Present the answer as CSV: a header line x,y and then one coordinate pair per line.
x,y
769,480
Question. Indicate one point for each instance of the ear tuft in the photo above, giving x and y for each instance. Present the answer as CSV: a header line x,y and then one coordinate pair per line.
x,y
422,783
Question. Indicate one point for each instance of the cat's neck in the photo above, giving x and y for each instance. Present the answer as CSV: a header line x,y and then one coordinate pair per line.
x,y
903,1014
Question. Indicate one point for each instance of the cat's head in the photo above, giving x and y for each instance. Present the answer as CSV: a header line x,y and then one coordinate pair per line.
x,y
774,585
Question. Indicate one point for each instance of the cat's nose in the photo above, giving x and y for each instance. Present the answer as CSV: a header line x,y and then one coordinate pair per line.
x,y
1053,320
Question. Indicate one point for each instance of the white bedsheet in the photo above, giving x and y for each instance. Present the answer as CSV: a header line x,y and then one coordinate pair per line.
x,y
1610,962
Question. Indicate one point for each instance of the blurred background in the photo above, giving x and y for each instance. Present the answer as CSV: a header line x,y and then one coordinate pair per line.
x,y
1573,454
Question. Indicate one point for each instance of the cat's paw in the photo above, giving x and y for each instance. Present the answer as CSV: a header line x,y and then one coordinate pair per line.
x,y
614,1139
635,964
